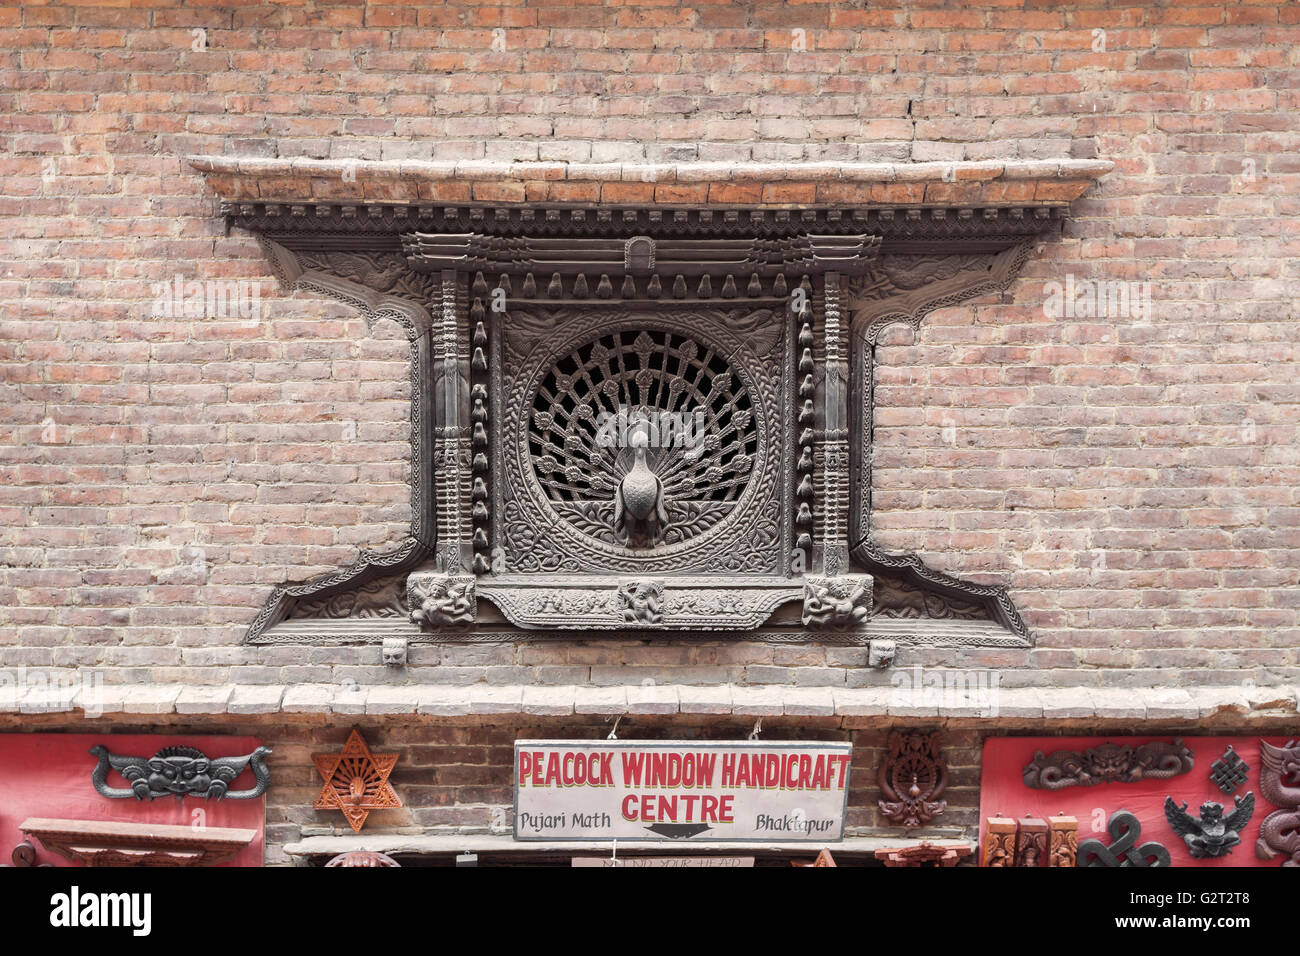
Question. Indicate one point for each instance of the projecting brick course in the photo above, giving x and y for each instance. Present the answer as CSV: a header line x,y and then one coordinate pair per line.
x,y
1133,481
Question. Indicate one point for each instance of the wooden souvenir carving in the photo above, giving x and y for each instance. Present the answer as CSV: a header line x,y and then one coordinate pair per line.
x,y
24,855
1279,781
1123,849
1108,763
824,858
912,777
1213,833
1031,842
925,854
98,843
1229,772
179,772
362,858
356,781
999,842
1062,841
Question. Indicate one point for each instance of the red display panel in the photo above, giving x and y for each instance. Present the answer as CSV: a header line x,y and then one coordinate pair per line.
x,y
48,775
1003,792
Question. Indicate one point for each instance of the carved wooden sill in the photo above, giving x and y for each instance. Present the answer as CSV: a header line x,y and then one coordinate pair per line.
x,y
99,843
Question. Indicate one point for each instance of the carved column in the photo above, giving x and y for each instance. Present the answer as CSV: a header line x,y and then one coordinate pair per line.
x,y
449,373
835,434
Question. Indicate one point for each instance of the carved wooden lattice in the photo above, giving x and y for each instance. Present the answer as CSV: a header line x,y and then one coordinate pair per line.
x,y
641,438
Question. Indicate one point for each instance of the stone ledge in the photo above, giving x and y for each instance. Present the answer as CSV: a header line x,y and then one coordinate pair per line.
x,y
427,843
1044,182
446,700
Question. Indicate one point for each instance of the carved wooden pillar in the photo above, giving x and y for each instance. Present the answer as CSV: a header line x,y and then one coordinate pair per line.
x,y
835,433
450,373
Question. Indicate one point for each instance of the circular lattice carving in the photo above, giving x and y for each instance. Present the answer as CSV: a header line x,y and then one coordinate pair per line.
x,y
642,437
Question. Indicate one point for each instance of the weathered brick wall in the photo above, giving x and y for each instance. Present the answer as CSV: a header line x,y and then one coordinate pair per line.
x,y
1132,480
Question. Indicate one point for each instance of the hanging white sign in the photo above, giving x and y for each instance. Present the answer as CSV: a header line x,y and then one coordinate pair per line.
x,y
703,791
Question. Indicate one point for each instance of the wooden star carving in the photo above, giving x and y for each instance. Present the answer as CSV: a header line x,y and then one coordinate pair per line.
x,y
356,781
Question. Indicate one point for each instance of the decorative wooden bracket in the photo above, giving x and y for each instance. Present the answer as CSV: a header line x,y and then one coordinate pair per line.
x,y
98,843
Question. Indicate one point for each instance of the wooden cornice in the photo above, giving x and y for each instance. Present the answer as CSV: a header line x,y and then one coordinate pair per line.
x,y
1045,182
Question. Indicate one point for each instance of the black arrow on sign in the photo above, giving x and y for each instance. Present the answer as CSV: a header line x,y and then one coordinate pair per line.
x,y
679,831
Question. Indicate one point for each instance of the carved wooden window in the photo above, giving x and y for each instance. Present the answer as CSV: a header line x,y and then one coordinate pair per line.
x,y
643,420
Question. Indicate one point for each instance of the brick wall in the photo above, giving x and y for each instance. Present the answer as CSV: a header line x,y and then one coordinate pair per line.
x,y
455,775
459,776
1133,481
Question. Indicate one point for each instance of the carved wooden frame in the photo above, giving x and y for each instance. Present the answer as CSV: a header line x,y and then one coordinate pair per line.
x,y
300,238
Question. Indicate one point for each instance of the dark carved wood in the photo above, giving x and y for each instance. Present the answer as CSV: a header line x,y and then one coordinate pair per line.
x,y
1279,781
1123,849
745,259
919,231
1212,834
180,772
1229,772
1108,763
24,856
912,777
440,271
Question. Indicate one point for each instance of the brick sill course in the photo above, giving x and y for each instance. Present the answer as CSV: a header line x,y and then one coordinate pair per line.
x,y
1235,704
1047,182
